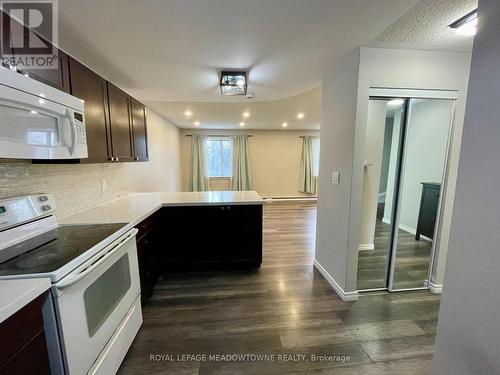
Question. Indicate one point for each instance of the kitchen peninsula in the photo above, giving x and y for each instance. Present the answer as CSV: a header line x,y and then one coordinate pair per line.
x,y
185,230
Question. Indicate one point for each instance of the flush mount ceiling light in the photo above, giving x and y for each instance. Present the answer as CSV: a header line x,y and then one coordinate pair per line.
x,y
233,83
466,25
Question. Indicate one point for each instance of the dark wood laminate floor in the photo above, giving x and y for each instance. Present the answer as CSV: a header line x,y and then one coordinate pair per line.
x,y
286,307
412,261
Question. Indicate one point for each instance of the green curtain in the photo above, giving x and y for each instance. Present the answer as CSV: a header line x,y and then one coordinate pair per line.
x,y
308,176
242,176
197,180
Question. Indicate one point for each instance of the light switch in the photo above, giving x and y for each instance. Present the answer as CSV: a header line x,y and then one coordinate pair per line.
x,y
336,178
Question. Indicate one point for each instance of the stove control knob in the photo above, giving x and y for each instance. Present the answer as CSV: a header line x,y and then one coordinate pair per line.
x,y
43,198
46,207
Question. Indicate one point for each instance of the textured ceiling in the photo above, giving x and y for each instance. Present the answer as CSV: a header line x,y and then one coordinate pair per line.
x,y
172,50
425,26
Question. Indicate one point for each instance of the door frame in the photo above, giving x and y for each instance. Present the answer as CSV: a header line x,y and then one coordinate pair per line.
x,y
407,95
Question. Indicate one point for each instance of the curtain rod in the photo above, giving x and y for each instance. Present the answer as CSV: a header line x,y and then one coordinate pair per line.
x,y
229,135
216,135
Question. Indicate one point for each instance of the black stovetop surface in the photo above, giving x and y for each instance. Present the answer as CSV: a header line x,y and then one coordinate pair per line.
x,y
52,250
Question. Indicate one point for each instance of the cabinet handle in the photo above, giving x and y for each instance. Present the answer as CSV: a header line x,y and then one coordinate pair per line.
x,y
228,207
136,158
223,208
116,159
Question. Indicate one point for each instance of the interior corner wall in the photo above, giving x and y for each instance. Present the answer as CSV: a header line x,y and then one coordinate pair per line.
x,y
344,118
338,115
163,170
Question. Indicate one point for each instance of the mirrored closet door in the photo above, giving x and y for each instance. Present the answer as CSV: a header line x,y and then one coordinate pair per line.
x,y
406,148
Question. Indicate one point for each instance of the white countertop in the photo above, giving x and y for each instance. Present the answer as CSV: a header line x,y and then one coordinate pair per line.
x,y
15,294
134,208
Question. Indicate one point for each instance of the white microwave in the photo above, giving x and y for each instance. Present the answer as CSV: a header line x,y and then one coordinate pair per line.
x,y
38,121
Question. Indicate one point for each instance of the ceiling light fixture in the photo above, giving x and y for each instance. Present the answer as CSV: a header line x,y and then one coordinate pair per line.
x,y
242,123
233,83
467,25
284,124
188,113
197,123
300,115
395,102
246,114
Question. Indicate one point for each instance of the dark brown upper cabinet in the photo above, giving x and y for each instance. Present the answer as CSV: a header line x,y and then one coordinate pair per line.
x,y
58,78
6,49
120,124
139,131
87,85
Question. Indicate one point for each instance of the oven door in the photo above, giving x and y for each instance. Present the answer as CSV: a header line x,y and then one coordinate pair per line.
x,y
93,300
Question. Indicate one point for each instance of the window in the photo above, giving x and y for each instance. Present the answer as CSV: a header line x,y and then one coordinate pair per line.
x,y
219,156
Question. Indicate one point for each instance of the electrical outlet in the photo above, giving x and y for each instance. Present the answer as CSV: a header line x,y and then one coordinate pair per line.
x,y
336,178
104,185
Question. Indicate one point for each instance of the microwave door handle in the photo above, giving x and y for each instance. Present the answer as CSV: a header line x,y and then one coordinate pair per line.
x,y
71,148
74,278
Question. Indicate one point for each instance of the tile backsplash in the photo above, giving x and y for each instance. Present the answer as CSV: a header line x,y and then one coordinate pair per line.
x,y
75,186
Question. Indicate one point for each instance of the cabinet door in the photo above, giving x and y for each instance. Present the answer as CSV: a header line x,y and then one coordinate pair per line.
x,y
120,124
87,85
6,49
58,77
139,131
243,224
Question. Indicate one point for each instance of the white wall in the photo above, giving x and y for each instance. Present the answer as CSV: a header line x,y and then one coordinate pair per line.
x,y
338,116
468,332
274,157
343,128
163,170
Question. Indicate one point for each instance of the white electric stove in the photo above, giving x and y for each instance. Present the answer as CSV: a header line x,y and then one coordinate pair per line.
x,y
95,312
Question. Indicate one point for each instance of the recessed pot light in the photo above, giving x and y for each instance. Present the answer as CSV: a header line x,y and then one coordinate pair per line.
x,y
188,113
300,115
197,123
285,124
395,102
242,123
246,114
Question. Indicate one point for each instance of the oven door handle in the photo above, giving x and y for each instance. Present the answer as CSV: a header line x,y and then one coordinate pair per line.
x,y
108,251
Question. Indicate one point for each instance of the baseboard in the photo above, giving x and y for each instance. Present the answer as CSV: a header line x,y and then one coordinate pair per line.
x,y
291,198
366,246
436,288
345,296
386,220
408,229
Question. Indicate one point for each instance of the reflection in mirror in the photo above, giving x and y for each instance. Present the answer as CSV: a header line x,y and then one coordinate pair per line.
x,y
381,153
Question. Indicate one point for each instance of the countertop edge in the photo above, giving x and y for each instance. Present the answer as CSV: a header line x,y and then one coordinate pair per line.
x,y
30,291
